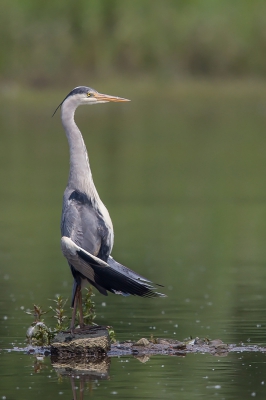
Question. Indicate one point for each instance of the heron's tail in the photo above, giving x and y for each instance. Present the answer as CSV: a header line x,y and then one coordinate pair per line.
x,y
110,276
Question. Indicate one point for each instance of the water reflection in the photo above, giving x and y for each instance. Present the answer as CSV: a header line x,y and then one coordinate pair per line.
x,y
128,377
92,368
82,373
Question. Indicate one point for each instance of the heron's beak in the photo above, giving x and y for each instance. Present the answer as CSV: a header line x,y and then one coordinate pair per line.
x,y
106,97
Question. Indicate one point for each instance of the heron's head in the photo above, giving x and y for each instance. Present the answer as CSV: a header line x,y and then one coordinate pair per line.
x,y
86,95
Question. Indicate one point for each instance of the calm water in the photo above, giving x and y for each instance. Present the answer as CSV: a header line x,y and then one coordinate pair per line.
x,y
182,173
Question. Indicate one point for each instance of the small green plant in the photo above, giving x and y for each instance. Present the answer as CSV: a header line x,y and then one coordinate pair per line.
x,y
39,334
111,334
37,312
59,313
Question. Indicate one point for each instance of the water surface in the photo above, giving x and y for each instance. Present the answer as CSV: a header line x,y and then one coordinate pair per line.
x,y
182,173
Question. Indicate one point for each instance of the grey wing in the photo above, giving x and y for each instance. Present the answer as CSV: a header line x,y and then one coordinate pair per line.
x,y
82,223
86,245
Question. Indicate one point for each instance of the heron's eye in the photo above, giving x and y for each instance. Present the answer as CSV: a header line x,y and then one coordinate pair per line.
x,y
88,94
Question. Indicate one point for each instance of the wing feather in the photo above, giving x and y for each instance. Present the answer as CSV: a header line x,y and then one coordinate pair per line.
x,y
96,270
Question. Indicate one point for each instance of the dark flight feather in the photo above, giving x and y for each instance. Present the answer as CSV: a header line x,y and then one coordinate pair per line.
x,y
115,281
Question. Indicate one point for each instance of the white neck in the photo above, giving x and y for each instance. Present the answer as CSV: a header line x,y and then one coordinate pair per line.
x,y
80,177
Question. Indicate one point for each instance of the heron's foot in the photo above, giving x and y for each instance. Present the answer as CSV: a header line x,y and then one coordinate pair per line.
x,y
73,328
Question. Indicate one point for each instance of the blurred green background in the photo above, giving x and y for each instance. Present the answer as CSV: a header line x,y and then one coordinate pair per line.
x,y
181,169
54,42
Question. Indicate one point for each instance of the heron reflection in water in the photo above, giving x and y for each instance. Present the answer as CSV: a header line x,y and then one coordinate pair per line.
x,y
86,227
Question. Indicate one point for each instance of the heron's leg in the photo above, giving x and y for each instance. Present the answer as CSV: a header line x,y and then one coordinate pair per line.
x,y
81,320
81,389
74,312
73,388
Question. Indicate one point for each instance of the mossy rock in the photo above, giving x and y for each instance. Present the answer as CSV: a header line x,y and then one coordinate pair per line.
x,y
90,340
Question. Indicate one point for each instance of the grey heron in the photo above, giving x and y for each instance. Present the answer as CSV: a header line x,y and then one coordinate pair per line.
x,y
86,227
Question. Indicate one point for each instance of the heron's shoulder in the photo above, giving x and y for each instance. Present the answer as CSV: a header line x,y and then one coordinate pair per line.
x,y
81,201
74,195
80,197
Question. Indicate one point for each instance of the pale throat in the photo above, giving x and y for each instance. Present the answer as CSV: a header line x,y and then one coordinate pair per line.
x,y
80,177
